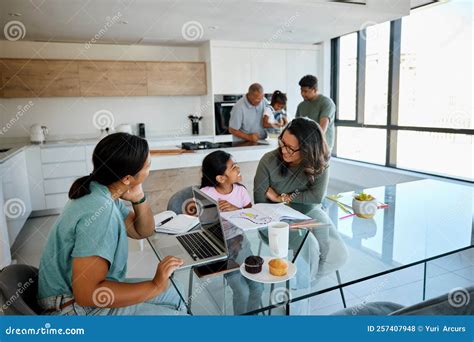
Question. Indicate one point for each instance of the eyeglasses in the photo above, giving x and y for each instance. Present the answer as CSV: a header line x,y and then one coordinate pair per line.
x,y
288,149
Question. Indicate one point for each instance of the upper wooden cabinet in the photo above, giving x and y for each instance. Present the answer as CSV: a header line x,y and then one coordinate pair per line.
x,y
39,78
99,78
176,78
59,78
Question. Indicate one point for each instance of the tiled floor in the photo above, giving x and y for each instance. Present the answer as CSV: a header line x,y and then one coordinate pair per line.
x,y
404,287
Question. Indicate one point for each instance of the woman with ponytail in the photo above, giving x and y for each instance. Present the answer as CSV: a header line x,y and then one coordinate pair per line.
x,y
84,263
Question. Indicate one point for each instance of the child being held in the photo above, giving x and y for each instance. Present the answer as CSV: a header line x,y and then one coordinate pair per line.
x,y
274,115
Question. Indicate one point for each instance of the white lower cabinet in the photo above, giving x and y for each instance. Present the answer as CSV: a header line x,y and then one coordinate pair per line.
x,y
58,185
64,170
5,256
56,201
60,167
16,194
35,177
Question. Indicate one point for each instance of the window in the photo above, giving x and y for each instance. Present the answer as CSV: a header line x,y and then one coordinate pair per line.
x,y
376,73
441,153
347,77
365,144
413,83
436,67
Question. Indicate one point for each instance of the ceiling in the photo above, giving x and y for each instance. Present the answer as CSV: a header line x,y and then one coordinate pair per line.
x,y
191,22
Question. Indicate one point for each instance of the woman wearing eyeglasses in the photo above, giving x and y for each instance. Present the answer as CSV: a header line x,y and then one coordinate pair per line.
x,y
297,171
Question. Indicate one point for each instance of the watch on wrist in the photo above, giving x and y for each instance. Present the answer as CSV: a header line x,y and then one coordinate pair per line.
x,y
140,201
283,195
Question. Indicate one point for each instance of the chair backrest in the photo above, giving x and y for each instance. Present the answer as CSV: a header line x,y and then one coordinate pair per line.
x,y
182,202
18,290
459,301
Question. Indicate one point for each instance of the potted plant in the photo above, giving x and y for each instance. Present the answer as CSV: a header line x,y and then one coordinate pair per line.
x,y
364,205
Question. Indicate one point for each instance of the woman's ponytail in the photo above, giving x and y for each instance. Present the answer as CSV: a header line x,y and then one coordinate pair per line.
x,y
116,156
80,187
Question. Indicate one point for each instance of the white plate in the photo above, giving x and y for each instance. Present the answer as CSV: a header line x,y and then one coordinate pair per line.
x,y
265,277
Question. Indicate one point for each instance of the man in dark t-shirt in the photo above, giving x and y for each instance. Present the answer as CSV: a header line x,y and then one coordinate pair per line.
x,y
318,107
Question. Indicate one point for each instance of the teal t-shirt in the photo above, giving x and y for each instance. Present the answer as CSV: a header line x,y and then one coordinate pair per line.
x,y
318,108
93,225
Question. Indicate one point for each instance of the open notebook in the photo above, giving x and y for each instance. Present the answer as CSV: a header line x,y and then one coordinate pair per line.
x,y
261,214
170,223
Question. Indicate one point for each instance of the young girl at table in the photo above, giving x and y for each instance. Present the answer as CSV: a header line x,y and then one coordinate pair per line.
x,y
221,181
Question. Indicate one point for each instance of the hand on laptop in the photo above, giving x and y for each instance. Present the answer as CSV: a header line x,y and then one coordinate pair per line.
x,y
164,270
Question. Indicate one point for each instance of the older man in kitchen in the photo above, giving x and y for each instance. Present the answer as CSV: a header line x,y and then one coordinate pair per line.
x,y
246,117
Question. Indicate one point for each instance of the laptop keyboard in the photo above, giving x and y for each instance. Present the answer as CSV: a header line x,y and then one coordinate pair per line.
x,y
197,246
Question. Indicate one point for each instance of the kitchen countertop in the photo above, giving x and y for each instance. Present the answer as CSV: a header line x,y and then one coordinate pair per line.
x,y
240,154
166,142
13,150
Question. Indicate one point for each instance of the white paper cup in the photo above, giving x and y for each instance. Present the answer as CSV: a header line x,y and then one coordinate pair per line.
x,y
278,236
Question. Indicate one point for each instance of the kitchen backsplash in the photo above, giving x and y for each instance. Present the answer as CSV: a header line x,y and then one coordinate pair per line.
x,y
82,117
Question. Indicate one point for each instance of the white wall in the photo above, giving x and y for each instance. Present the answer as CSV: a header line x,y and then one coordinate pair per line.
x,y
66,116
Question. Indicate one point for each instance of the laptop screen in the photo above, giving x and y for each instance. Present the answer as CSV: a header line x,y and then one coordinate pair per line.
x,y
209,217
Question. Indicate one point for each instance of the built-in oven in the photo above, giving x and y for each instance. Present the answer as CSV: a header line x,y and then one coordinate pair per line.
x,y
222,107
222,114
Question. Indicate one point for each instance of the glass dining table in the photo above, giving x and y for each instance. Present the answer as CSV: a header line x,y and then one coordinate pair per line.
x,y
422,221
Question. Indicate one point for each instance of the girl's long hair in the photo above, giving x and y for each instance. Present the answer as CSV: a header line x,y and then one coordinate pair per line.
x,y
213,165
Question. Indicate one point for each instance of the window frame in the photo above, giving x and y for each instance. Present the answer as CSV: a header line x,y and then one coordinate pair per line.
x,y
392,127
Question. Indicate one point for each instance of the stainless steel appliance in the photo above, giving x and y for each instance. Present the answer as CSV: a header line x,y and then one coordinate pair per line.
x,y
223,105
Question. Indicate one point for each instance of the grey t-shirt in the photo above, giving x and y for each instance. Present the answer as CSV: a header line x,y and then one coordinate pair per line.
x,y
316,109
247,118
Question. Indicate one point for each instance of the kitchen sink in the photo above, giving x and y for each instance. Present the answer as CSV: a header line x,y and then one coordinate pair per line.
x,y
3,150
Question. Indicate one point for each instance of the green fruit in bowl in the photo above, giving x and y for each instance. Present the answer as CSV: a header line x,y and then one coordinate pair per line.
x,y
364,197
364,205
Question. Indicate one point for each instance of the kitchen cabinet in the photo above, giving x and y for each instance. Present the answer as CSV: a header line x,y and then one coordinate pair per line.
x,y
298,64
276,68
5,255
67,169
60,167
16,194
56,201
75,78
269,69
231,70
89,153
176,78
62,154
104,78
35,177
39,78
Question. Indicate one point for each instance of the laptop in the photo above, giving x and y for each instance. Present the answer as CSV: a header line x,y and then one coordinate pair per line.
x,y
202,246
